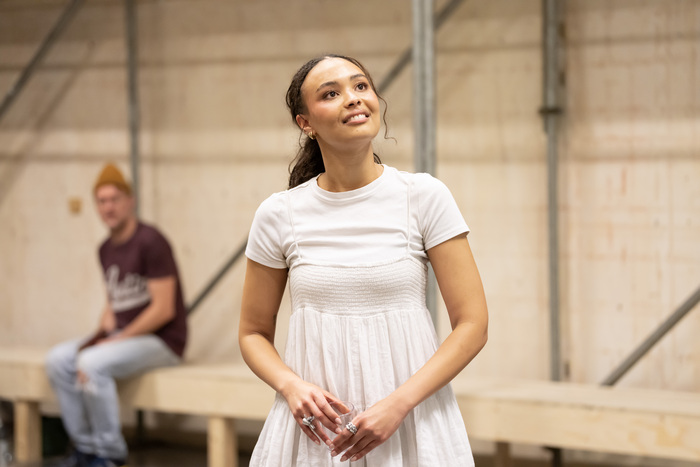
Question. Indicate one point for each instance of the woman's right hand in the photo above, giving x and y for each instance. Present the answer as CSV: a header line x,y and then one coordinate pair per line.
x,y
305,400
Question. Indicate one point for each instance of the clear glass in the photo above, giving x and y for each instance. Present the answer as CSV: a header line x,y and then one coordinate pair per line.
x,y
346,412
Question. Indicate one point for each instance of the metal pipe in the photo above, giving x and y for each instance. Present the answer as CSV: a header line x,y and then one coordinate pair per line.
x,y
652,339
423,87
44,47
550,111
134,156
217,277
424,108
133,91
405,58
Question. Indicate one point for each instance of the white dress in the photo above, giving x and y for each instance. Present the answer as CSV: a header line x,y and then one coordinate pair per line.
x,y
358,330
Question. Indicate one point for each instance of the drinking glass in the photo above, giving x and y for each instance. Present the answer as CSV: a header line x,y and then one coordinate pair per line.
x,y
346,412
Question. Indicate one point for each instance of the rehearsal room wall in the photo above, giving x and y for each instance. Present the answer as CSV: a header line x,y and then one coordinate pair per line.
x,y
216,140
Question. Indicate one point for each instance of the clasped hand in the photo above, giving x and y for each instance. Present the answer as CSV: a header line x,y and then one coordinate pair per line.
x,y
374,426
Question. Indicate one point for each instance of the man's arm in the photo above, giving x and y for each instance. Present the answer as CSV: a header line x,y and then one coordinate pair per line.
x,y
157,314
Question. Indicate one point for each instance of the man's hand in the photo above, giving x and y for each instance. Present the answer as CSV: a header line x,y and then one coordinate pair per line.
x,y
112,338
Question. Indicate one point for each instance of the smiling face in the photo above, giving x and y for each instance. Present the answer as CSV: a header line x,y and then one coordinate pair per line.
x,y
342,109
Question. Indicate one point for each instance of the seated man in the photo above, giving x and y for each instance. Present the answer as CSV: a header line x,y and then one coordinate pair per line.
x,y
143,326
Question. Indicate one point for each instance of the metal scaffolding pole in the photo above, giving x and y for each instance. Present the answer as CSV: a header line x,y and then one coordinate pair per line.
x,y
424,108
405,58
217,277
44,47
653,338
134,155
551,111
133,91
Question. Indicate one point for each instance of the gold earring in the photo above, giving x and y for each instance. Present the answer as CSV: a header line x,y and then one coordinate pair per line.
x,y
311,135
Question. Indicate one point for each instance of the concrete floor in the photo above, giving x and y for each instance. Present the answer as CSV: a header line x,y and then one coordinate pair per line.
x,y
153,455
157,454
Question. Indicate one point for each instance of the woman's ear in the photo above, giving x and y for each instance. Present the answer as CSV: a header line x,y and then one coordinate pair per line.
x,y
303,123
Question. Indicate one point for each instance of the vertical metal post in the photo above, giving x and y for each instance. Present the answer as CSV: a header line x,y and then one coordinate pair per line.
x,y
424,108
134,123
551,110
133,91
423,86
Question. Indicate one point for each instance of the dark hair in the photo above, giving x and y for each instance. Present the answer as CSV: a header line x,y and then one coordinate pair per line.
x,y
308,162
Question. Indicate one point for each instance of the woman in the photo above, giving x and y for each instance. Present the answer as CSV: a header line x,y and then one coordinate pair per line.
x,y
354,237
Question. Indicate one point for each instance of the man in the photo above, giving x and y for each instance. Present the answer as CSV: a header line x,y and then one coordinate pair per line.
x,y
143,326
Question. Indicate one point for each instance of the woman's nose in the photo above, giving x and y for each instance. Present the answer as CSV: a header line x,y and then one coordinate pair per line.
x,y
352,99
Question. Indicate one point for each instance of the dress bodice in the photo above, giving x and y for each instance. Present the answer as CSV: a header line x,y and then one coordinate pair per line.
x,y
359,290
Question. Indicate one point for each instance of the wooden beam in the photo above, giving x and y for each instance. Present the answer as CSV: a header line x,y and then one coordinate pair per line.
x,y
503,458
27,431
222,443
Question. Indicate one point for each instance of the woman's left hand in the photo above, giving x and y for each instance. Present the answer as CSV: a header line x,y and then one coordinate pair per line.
x,y
374,426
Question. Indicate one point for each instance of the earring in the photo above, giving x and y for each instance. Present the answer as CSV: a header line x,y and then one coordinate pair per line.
x,y
311,135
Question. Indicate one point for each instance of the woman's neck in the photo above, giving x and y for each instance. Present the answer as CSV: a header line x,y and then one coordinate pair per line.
x,y
348,171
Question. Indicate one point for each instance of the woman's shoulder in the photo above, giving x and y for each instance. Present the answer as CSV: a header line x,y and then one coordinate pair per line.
x,y
420,182
276,202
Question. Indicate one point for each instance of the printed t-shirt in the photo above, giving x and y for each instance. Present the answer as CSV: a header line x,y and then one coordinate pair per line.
x,y
127,268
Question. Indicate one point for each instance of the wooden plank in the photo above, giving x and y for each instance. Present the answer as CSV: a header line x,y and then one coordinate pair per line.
x,y
578,425
222,443
27,431
171,389
22,374
549,392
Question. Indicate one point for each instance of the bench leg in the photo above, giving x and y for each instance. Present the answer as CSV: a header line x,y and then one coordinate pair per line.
x,y
222,449
503,458
27,431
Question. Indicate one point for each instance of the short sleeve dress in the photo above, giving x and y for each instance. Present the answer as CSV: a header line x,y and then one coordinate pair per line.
x,y
359,326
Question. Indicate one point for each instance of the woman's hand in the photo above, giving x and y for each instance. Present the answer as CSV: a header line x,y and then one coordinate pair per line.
x,y
374,426
306,400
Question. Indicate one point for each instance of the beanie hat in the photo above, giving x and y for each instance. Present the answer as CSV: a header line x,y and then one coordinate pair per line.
x,y
111,175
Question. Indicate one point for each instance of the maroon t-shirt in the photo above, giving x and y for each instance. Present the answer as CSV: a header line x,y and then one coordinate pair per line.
x,y
127,267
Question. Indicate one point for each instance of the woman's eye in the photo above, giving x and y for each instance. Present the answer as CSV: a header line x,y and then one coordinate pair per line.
x,y
330,94
362,86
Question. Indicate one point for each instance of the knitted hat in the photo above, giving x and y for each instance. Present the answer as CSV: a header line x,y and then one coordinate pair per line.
x,y
111,175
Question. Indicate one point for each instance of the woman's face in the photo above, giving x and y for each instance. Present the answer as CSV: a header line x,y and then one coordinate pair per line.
x,y
342,109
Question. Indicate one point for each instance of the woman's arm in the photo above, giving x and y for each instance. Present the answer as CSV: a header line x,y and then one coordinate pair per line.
x,y
463,293
262,293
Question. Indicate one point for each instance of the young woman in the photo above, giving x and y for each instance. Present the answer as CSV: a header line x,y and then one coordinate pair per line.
x,y
354,237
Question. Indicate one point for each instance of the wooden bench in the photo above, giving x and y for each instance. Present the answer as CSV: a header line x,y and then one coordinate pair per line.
x,y
638,422
616,420
223,393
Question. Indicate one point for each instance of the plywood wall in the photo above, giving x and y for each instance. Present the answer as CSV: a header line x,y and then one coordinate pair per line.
x,y
216,140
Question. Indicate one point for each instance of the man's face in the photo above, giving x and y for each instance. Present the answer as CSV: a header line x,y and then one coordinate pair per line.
x,y
115,206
